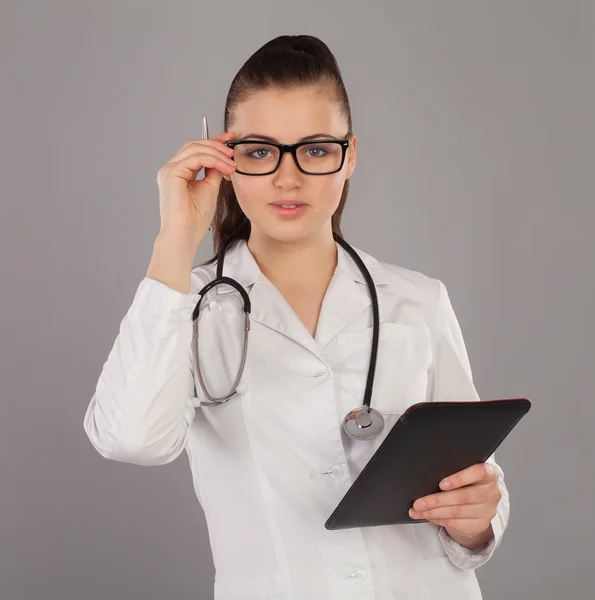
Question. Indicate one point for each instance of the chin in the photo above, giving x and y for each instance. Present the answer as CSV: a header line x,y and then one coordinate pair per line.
x,y
293,232
288,234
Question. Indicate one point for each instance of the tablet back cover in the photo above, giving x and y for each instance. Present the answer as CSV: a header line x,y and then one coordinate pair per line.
x,y
430,441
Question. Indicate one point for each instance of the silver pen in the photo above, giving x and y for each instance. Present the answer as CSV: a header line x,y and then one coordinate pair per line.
x,y
205,136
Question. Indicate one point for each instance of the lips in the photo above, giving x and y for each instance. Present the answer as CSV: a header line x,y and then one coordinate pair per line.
x,y
288,211
288,203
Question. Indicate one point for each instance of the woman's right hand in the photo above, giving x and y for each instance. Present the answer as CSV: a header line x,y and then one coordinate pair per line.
x,y
186,205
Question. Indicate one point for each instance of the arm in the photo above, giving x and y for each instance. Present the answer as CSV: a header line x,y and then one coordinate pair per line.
x,y
143,404
451,379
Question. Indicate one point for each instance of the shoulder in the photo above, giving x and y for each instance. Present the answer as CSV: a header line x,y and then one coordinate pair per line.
x,y
423,297
422,292
410,295
420,288
403,280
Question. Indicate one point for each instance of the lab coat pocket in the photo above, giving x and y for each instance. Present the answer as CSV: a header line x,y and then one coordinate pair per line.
x,y
402,363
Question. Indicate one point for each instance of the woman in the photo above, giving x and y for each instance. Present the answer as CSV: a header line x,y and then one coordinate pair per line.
x,y
271,464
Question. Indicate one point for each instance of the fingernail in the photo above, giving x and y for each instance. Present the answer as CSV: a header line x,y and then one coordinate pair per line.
x,y
445,484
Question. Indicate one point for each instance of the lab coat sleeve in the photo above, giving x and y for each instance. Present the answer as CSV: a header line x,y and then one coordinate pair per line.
x,y
144,401
450,378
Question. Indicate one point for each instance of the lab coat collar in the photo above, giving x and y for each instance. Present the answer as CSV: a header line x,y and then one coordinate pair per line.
x,y
347,295
241,266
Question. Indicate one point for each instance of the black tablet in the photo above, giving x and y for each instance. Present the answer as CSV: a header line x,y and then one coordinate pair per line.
x,y
430,441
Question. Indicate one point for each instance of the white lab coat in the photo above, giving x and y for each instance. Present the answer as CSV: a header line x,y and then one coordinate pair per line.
x,y
271,464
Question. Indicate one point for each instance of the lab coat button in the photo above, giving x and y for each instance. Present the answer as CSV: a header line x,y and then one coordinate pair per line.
x,y
358,574
334,471
242,387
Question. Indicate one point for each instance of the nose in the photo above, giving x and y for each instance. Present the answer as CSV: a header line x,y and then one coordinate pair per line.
x,y
288,157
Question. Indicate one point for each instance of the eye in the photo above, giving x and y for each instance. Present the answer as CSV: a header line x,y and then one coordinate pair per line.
x,y
317,149
258,153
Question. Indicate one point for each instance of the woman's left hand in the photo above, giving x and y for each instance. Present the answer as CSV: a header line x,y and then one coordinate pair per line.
x,y
467,509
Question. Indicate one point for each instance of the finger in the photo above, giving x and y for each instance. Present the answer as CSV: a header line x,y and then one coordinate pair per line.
x,y
189,167
217,141
204,151
458,511
226,135
206,146
221,138
467,495
444,523
461,526
475,474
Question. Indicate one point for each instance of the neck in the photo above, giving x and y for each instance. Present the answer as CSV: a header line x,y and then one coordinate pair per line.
x,y
309,261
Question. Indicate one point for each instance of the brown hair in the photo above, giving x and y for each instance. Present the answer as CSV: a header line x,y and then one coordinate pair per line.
x,y
286,62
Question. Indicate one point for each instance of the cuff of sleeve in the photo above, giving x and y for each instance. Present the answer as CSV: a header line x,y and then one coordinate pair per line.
x,y
162,302
464,558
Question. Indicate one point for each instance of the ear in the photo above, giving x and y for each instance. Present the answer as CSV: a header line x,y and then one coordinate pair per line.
x,y
350,158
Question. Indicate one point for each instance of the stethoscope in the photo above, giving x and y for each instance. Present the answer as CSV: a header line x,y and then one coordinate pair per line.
x,y
362,423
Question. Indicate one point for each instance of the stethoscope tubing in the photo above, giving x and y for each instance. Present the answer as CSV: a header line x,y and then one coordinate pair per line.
x,y
362,422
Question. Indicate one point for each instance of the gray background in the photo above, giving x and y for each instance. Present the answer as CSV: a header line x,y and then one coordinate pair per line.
x,y
476,162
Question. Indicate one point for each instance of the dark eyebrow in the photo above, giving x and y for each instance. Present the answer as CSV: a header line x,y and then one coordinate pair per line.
x,y
267,138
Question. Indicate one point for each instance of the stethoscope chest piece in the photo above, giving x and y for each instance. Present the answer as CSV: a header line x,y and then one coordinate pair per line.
x,y
363,423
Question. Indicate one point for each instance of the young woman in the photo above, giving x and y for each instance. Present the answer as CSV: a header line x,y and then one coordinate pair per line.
x,y
271,463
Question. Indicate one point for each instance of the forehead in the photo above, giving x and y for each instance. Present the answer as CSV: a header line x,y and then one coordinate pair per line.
x,y
288,115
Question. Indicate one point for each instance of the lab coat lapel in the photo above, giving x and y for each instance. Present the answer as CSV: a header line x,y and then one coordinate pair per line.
x,y
269,307
347,296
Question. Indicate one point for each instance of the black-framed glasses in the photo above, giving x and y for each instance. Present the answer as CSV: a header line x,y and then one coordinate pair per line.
x,y
316,157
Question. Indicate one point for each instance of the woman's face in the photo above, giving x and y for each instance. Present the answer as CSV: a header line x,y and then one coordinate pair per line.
x,y
288,117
